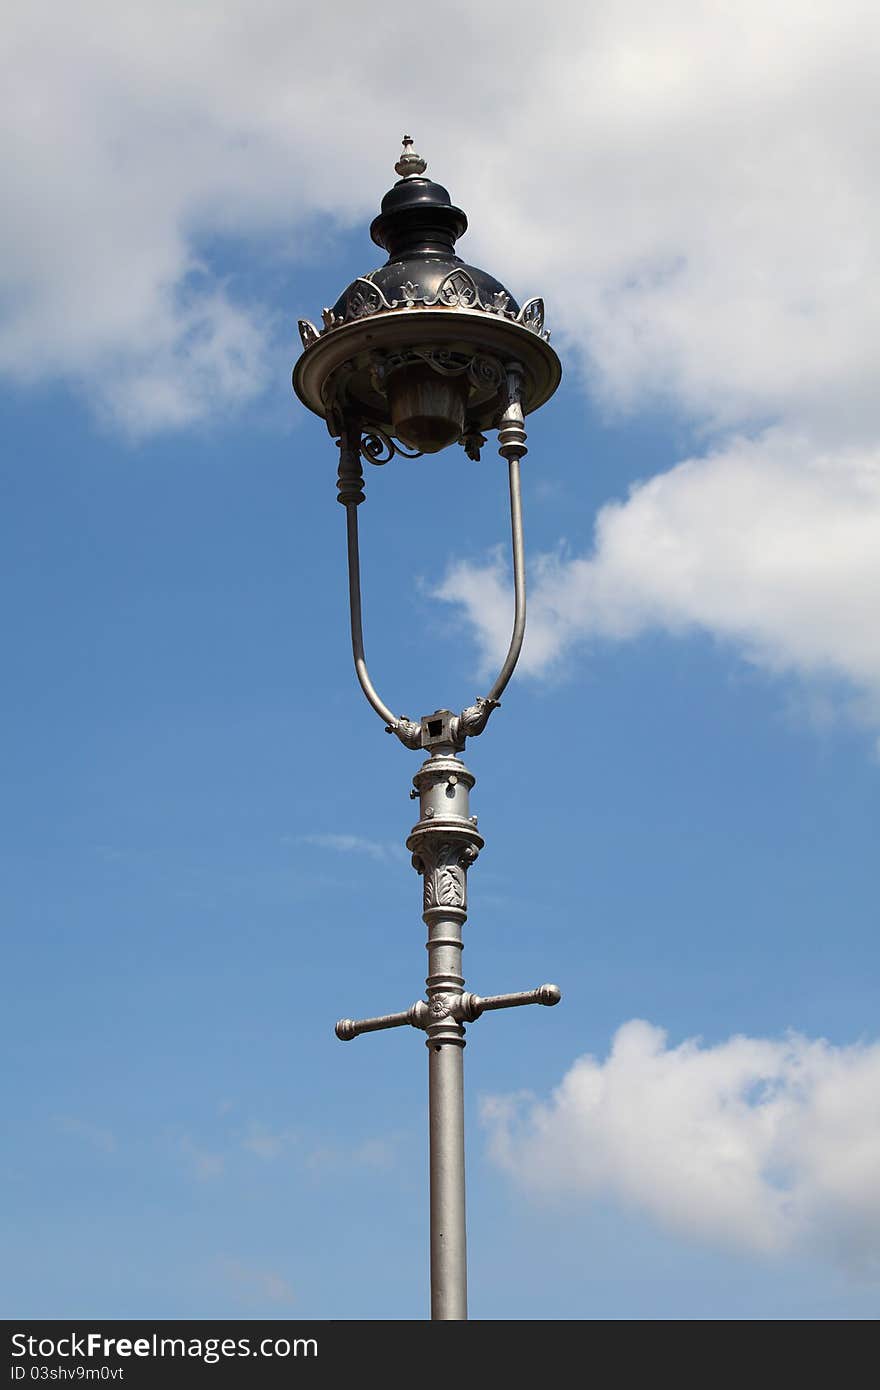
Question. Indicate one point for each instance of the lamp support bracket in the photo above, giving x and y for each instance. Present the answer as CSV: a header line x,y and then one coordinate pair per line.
x,y
356,444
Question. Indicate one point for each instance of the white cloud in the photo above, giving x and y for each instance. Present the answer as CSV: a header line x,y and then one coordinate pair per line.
x,y
354,844
266,1143
254,1284
377,1154
95,1135
206,1164
765,1145
692,186
768,543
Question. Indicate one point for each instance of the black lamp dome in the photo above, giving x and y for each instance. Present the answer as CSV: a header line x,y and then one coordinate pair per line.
x,y
396,337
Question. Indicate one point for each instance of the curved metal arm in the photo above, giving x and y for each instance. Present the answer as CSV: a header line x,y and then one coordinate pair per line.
x,y
351,494
357,632
519,582
512,446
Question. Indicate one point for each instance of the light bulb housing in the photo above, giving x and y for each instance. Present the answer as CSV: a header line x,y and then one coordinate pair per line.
x,y
428,410
417,349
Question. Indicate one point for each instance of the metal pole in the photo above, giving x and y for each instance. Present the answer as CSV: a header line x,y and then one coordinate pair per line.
x,y
448,1237
444,843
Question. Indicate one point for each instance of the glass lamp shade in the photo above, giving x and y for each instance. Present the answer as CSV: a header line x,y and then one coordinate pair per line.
x,y
427,410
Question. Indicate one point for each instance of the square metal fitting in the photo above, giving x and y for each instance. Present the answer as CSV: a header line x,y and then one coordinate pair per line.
x,y
437,728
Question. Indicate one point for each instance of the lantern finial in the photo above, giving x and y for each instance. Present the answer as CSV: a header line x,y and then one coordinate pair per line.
x,y
410,165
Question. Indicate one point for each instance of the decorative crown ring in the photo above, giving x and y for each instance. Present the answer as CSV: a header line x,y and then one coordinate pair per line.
x,y
410,165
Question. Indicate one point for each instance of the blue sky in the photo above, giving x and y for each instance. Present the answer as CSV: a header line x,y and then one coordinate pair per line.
x,y
202,858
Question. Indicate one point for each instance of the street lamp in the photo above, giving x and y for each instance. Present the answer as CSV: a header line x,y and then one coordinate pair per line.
x,y
420,354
